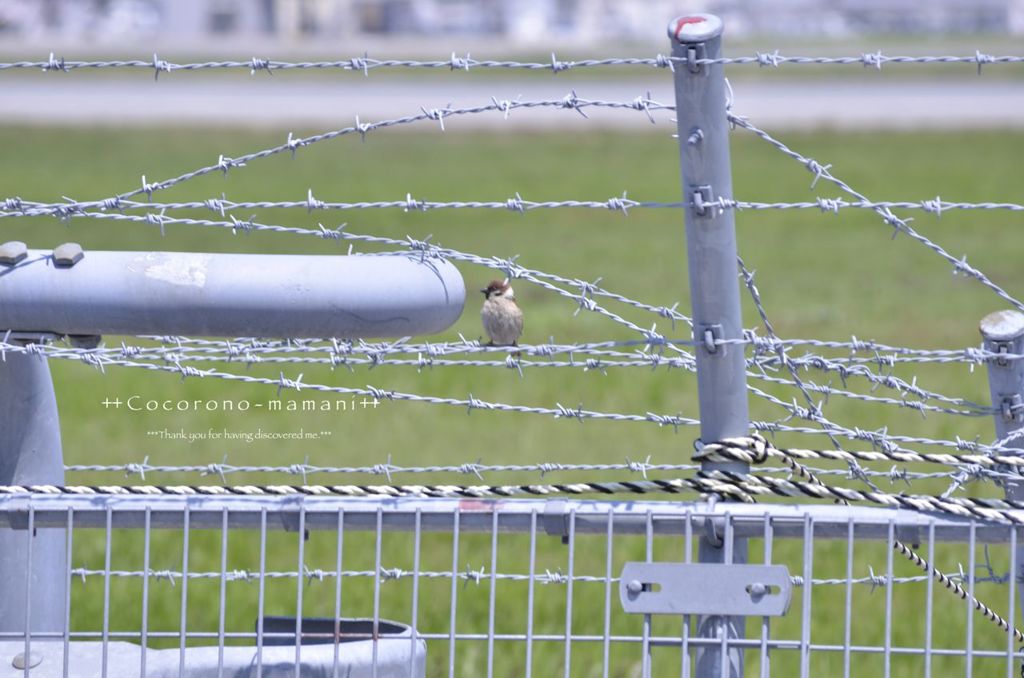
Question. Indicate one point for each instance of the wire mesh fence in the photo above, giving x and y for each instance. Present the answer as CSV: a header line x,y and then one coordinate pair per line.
x,y
510,587
381,568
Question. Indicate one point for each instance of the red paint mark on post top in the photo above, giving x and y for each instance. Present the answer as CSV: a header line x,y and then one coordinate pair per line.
x,y
686,21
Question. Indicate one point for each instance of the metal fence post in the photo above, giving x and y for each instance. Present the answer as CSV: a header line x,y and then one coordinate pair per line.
x,y
714,287
30,454
1003,332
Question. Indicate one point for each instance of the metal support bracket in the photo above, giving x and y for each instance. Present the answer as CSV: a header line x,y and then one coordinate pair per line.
x,y
1012,408
702,198
1003,348
705,589
556,519
710,335
694,52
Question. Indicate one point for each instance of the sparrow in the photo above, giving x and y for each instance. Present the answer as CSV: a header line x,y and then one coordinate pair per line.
x,y
501,315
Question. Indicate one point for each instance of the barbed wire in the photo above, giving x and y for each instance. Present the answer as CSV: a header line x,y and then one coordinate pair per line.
x,y
364,64
224,164
881,437
476,468
481,574
748,280
769,353
623,204
345,354
883,354
424,248
471,403
899,225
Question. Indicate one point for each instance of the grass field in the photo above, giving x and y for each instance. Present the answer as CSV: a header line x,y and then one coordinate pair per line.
x,y
822,276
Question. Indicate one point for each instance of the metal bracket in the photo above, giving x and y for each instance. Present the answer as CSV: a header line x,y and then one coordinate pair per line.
x,y
695,51
910,534
17,519
706,589
710,334
1003,348
702,198
556,519
1012,407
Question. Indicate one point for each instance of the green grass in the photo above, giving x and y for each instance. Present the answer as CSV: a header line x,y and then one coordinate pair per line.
x,y
821,276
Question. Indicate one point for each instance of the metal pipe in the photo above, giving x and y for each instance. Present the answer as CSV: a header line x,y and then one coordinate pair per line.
x,y
30,453
206,512
232,295
714,289
1003,332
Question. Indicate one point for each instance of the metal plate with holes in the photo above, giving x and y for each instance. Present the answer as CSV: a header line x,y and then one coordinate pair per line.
x,y
705,588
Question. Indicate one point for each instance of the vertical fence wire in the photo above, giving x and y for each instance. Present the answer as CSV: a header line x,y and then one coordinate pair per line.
x,y
68,548
29,538
1011,603
766,621
107,536
414,623
570,567
609,555
492,594
972,555
183,628
456,515
299,580
261,595
378,539
222,612
887,656
531,588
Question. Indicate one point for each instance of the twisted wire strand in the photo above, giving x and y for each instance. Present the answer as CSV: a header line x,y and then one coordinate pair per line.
x,y
735,486
364,64
756,449
622,204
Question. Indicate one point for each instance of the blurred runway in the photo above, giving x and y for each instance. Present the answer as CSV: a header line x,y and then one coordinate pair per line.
x,y
329,101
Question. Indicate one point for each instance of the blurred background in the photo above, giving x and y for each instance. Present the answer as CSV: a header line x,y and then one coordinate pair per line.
x,y
305,24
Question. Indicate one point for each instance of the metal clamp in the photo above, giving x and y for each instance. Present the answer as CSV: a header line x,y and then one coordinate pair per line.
x,y
695,52
702,198
1002,348
1012,407
710,335
706,589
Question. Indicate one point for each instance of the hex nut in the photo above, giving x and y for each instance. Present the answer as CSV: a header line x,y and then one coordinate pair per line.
x,y
67,255
12,252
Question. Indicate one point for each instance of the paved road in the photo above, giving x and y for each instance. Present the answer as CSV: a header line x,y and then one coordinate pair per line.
x,y
326,103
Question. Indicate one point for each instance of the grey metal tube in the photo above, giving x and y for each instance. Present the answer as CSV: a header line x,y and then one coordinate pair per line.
x,y
232,295
515,516
1003,331
30,453
714,288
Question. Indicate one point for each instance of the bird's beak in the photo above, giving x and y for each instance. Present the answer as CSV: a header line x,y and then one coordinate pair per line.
x,y
484,292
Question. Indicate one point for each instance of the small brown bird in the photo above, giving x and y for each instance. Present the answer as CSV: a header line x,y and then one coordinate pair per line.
x,y
502,317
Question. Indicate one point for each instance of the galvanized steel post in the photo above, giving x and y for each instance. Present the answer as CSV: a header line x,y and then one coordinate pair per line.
x,y
1003,332
33,563
714,287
